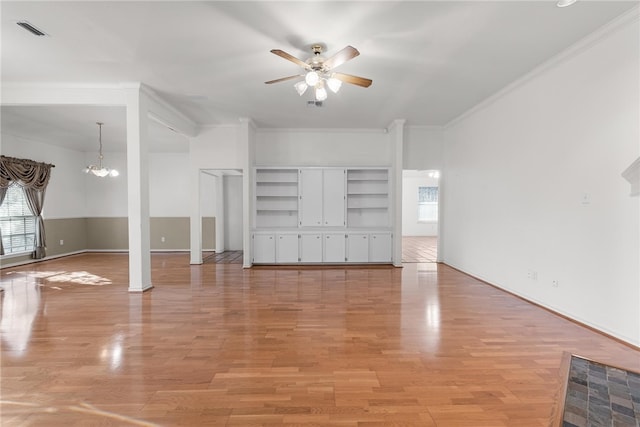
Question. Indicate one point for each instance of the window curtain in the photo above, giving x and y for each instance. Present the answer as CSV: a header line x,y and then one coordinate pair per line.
x,y
3,192
33,177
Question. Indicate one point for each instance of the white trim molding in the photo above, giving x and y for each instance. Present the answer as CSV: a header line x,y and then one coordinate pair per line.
x,y
577,48
632,174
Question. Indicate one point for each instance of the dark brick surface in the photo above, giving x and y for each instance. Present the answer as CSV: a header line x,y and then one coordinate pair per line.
x,y
601,395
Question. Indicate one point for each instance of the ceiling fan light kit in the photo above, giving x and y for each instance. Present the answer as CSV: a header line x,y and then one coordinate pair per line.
x,y
565,3
319,74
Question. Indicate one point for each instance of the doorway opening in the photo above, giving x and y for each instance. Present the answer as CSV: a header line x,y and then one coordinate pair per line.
x,y
221,197
420,215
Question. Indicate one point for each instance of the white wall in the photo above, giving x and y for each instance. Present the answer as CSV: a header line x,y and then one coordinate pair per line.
x,y
323,147
107,197
411,180
169,186
517,171
233,229
73,194
217,148
67,180
423,148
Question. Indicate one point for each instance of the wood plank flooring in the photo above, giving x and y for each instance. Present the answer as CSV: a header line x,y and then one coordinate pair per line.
x,y
216,344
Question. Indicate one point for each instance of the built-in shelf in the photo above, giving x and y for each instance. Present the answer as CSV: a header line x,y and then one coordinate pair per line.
x,y
368,198
276,198
318,213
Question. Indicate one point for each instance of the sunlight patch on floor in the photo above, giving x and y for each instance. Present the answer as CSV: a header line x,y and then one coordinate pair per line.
x,y
77,277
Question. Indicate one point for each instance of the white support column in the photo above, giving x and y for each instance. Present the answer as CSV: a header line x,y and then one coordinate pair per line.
x,y
220,213
247,142
196,218
138,192
441,210
396,131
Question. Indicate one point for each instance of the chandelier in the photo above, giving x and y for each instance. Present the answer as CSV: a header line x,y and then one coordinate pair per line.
x,y
100,170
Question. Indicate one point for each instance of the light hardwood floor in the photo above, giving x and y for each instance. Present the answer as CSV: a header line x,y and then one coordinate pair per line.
x,y
216,344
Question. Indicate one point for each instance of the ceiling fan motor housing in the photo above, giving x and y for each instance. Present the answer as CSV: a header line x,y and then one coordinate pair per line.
x,y
316,61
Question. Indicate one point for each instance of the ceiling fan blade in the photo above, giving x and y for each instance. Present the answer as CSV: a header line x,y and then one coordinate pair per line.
x,y
341,57
283,79
285,55
354,80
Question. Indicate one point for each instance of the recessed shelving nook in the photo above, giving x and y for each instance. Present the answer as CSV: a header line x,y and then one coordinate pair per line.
x,y
322,214
276,198
368,197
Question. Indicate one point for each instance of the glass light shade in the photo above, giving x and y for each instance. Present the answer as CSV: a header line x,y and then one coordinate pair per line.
x,y
301,87
334,84
312,78
321,93
101,172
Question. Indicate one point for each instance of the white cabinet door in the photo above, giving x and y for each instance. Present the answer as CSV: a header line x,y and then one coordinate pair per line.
x,y
287,248
264,249
333,197
380,247
334,247
357,247
311,197
310,247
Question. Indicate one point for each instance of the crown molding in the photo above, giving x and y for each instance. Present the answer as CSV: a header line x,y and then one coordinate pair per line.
x,y
607,30
632,175
321,130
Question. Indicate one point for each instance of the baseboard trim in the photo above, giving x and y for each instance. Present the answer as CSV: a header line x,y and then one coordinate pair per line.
x,y
52,257
32,261
550,310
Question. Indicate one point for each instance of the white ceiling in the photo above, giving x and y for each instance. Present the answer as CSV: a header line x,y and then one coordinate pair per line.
x,y
430,61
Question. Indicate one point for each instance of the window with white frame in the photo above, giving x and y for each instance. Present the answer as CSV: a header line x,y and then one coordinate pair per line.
x,y
427,204
17,222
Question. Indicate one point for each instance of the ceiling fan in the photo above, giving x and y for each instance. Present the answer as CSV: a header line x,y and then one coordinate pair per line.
x,y
319,71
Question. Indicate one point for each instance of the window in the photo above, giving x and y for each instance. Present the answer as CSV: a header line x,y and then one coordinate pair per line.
x,y
427,204
17,222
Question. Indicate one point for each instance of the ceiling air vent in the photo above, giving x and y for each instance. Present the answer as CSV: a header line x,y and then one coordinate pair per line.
x,y
33,30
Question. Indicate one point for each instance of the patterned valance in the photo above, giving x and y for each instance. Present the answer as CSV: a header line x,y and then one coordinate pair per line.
x,y
28,173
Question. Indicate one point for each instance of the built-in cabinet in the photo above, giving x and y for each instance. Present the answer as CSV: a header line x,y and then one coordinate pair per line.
x,y
313,248
264,248
322,197
322,215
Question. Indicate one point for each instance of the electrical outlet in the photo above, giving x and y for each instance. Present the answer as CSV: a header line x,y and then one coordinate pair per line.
x,y
554,283
533,275
162,239
61,242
